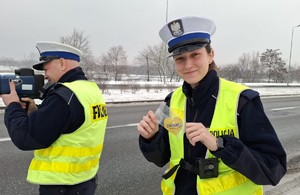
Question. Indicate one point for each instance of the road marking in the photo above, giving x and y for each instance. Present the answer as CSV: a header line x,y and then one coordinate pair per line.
x,y
5,139
119,126
285,108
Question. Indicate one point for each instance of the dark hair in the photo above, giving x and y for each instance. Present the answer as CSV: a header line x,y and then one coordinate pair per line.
x,y
212,65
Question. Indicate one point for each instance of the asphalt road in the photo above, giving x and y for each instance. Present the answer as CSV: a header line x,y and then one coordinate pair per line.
x,y
123,169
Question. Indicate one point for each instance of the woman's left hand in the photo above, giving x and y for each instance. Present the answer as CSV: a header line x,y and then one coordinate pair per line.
x,y
197,132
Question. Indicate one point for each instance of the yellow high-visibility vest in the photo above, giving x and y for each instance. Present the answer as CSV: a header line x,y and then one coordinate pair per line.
x,y
74,157
224,121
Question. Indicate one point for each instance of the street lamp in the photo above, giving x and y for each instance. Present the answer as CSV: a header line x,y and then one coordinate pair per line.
x,y
165,46
167,11
289,75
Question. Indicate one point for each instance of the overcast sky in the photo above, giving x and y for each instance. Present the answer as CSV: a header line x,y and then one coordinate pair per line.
x,y
243,26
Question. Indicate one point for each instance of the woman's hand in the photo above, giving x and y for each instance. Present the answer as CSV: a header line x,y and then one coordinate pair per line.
x,y
148,126
197,132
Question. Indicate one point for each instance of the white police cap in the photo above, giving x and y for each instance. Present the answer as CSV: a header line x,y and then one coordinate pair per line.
x,y
187,34
53,50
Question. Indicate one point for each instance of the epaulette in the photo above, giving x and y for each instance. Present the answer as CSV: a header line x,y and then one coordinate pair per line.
x,y
245,96
249,94
65,93
168,98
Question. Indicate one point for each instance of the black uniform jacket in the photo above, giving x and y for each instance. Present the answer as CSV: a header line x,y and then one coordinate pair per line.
x,y
257,153
59,113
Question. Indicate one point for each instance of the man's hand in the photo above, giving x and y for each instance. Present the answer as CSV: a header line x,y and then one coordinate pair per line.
x,y
148,126
197,132
12,96
29,104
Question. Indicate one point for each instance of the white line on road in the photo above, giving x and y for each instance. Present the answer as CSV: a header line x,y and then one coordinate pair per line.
x,y
5,139
285,108
119,126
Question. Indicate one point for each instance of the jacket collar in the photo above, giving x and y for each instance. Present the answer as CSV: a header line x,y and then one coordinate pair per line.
x,y
201,93
73,75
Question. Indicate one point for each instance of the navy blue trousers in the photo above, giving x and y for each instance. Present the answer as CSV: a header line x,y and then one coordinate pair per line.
x,y
84,188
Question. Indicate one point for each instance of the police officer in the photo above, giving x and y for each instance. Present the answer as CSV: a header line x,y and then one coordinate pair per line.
x,y
66,131
227,144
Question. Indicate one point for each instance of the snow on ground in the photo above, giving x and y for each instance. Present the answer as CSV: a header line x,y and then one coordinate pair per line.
x,y
116,96
143,95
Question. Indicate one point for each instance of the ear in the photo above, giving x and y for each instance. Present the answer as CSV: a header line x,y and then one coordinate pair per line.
x,y
63,64
211,56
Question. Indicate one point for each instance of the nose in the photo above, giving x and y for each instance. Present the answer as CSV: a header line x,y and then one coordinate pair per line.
x,y
188,63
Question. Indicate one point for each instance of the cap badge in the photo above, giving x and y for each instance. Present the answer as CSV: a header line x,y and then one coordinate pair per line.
x,y
176,28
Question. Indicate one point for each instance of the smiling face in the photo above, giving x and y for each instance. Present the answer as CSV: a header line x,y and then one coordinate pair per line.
x,y
53,70
193,66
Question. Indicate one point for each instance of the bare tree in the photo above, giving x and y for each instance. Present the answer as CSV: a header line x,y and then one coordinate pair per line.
x,y
104,64
30,60
79,40
155,58
231,72
295,74
256,70
170,64
10,63
116,58
249,66
161,53
27,62
144,58
275,65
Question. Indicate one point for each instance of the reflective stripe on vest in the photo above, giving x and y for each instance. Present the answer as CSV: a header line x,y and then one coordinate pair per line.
x,y
224,122
74,158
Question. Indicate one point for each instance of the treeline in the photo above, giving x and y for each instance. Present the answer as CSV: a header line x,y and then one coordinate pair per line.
x,y
151,64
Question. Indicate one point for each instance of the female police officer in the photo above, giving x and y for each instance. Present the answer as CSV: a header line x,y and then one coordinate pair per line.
x,y
228,145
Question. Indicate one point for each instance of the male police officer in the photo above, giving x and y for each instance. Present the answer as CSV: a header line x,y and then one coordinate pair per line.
x,y
66,131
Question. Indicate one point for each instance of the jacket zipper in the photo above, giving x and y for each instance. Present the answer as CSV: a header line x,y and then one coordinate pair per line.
x,y
195,117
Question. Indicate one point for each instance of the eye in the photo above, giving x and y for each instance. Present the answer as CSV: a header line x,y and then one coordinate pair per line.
x,y
195,54
179,59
